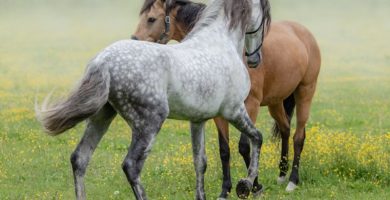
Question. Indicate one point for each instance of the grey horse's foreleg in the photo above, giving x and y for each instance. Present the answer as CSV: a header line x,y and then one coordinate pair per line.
x,y
97,126
244,124
199,157
141,144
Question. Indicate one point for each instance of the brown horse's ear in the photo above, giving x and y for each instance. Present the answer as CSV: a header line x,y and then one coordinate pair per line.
x,y
170,4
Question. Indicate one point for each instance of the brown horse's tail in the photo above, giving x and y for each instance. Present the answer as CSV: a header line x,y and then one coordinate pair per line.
x,y
289,105
88,98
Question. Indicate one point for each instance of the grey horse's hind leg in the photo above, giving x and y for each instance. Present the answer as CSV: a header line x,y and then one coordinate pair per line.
x,y
243,123
144,133
199,156
97,126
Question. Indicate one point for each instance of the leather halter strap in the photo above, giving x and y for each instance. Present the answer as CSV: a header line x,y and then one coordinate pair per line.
x,y
261,26
167,20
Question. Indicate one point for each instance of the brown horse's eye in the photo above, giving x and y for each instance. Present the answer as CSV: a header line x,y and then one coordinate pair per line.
x,y
151,20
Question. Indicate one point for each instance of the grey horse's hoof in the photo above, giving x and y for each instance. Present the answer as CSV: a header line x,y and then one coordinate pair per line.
x,y
243,188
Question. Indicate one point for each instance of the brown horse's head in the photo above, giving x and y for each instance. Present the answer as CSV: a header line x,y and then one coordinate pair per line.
x,y
154,25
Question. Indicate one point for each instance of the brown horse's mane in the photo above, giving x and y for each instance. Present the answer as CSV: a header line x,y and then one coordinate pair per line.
x,y
169,3
147,5
187,14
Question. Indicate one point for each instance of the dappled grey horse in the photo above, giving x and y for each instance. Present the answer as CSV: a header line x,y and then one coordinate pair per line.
x,y
146,83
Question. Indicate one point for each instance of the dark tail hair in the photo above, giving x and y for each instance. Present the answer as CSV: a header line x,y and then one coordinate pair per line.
x,y
84,101
289,105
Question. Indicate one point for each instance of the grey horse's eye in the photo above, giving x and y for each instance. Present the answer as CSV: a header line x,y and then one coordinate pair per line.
x,y
151,20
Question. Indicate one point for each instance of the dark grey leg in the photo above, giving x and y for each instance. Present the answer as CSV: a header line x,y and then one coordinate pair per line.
x,y
245,150
96,128
141,144
199,156
244,124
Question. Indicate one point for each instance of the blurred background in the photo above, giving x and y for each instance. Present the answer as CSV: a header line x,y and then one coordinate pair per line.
x,y
45,44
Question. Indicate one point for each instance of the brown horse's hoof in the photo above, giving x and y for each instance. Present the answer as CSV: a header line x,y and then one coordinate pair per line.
x,y
243,189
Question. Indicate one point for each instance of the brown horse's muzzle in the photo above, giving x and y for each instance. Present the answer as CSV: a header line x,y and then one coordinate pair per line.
x,y
133,37
254,60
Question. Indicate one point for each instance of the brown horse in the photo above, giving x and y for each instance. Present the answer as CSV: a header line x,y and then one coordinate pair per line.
x,y
285,79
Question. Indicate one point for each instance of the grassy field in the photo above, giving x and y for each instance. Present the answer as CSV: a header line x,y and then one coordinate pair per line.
x,y
45,45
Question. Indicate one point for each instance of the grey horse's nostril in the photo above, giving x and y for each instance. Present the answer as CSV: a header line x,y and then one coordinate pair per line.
x,y
134,37
254,60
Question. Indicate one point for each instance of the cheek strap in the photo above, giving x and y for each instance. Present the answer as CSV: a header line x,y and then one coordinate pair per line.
x,y
164,37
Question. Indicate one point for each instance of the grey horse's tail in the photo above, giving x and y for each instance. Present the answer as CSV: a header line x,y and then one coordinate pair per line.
x,y
289,105
85,100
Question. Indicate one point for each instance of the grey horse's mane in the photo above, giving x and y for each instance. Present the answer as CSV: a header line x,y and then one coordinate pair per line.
x,y
238,13
266,14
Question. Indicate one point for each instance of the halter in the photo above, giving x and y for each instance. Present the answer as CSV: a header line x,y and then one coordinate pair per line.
x,y
262,38
164,36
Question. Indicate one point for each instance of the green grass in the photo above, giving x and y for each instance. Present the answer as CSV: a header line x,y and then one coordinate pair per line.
x,y
46,45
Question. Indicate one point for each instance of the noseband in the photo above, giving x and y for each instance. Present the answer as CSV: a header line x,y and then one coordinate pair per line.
x,y
261,26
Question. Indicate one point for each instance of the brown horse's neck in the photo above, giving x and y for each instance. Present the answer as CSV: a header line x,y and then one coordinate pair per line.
x,y
181,30
186,17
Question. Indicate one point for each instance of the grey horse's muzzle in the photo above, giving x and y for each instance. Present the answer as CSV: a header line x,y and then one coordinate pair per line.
x,y
254,60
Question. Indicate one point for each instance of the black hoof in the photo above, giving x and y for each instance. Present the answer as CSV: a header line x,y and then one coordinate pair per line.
x,y
223,195
243,189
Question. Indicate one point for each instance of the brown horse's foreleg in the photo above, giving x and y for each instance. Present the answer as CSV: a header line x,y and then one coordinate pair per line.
x,y
303,96
283,126
224,152
252,106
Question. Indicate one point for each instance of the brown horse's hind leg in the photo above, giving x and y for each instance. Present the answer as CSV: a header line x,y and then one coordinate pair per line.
x,y
303,96
224,153
283,128
252,106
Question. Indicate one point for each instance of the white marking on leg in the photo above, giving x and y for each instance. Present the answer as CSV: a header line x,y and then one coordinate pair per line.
x,y
291,187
